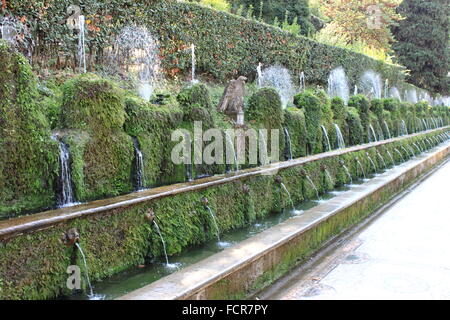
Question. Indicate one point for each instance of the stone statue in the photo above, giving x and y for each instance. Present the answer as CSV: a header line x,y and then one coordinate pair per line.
x,y
232,102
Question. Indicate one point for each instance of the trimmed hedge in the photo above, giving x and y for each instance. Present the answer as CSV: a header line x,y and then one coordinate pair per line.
x,y
28,157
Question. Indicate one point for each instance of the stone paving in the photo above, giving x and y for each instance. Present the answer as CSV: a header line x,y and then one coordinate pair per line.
x,y
403,254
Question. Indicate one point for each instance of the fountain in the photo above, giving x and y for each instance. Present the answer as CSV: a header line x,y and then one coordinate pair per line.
x,y
380,133
259,74
193,62
158,230
305,174
391,157
386,88
407,152
136,51
91,291
288,143
374,167
289,195
382,159
417,147
327,174
370,84
327,140
403,128
339,137
81,44
395,93
411,96
302,82
400,154
361,167
65,196
342,163
387,129
338,84
372,131
214,220
139,163
355,91
279,78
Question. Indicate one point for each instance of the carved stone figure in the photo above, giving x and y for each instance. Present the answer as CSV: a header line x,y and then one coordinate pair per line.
x,y
232,102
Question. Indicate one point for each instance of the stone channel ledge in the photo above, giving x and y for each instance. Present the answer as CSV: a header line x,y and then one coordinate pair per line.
x,y
237,269
40,221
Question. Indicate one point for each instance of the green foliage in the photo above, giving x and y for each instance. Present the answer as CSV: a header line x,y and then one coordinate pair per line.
x,y
354,127
311,106
289,12
92,103
423,43
362,104
102,153
195,101
226,45
152,125
28,157
377,107
294,120
264,107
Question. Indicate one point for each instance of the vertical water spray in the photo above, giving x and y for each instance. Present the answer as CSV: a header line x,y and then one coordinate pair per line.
x,y
139,164
288,143
81,44
193,62
65,196
327,140
214,220
259,74
387,129
371,84
372,132
339,137
338,84
302,81
279,78
136,52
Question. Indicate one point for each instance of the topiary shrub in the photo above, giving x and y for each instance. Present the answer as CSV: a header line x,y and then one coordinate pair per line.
x,y
310,104
152,125
264,107
362,105
195,101
102,153
339,115
294,121
28,157
354,127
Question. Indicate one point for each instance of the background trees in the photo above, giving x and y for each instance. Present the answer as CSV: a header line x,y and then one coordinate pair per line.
x,y
423,43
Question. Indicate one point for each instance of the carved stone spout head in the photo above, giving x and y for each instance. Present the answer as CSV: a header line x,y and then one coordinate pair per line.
x,y
150,215
204,201
70,237
278,179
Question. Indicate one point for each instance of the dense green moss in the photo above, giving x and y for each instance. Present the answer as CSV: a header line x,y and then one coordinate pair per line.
x,y
102,163
354,127
28,157
311,105
362,105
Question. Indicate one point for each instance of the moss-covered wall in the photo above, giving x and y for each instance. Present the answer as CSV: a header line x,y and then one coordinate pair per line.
x,y
34,265
28,157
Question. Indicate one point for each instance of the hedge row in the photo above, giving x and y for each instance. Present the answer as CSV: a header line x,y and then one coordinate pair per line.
x,y
226,45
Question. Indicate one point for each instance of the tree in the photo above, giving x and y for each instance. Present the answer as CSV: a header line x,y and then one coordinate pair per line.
x,y
366,21
271,11
423,43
